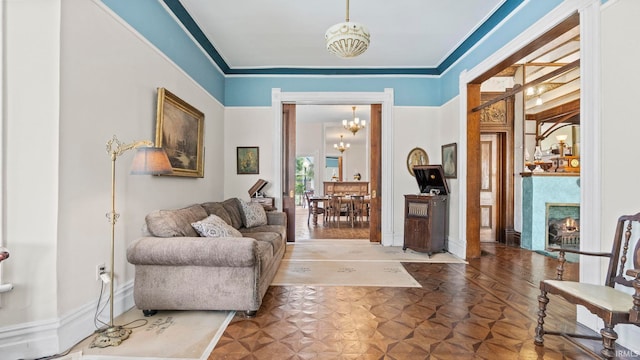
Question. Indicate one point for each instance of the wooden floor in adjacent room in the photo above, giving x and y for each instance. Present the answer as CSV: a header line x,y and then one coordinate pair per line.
x,y
482,310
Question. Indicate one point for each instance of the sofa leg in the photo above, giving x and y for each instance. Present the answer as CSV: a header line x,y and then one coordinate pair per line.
x,y
148,313
250,313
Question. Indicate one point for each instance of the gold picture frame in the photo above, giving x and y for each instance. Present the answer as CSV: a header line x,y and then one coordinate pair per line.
x,y
417,156
180,132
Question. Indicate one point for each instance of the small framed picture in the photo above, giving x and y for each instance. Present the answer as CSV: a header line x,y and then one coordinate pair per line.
x,y
248,159
450,160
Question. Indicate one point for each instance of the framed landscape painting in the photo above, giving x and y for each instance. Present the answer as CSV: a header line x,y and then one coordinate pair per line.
x,y
180,132
248,159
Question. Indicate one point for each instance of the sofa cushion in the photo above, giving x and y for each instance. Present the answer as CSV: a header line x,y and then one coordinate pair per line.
x,y
172,223
278,229
253,214
233,208
216,208
214,226
272,238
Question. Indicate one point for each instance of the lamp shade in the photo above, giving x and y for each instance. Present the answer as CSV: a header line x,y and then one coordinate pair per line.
x,y
150,161
347,39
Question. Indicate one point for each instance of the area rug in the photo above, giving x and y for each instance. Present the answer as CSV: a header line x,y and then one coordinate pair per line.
x,y
343,273
175,335
360,250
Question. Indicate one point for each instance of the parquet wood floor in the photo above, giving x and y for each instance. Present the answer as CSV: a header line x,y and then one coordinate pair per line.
x,y
328,229
482,310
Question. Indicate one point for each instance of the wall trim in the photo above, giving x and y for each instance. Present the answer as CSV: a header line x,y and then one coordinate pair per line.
x,y
53,336
385,98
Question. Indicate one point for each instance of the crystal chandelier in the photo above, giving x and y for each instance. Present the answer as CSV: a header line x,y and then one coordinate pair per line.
x,y
341,146
347,39
355,124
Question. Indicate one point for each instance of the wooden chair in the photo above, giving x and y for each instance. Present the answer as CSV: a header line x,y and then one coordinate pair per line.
x,y
318,209
611,305
337,208
307,194
358,208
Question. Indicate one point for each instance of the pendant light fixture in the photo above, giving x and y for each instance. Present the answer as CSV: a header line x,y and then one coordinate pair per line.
x,y
347,39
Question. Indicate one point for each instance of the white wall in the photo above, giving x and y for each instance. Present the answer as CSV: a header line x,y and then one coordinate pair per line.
x,y
620,127
68,97
450,133
249,126
31,158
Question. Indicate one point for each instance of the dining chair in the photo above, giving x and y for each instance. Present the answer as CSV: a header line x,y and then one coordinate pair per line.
x,y
337,208
358,209
310,206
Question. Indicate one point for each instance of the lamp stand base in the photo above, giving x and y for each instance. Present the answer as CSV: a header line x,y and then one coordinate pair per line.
x,y
111,336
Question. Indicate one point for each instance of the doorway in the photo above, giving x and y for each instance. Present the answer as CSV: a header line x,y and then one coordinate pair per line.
x,y
521,59
290,168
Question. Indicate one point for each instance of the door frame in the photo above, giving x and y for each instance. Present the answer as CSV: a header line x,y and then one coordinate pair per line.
x,y
588,12
385,98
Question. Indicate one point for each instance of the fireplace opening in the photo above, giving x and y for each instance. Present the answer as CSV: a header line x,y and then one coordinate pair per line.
x,y
563,225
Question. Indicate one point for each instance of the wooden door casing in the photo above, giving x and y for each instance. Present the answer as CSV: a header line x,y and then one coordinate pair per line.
x,y
375,128
289,168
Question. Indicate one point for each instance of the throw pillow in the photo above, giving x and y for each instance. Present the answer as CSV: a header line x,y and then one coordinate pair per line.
x,y
233,207
253,214
172,223
214,226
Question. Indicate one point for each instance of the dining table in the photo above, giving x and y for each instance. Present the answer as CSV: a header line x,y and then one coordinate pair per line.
x,y
315,201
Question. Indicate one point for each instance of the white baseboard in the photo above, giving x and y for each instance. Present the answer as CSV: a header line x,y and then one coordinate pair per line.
x,y
49,337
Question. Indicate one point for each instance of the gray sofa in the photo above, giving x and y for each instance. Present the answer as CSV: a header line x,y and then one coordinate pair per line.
x,y
177,269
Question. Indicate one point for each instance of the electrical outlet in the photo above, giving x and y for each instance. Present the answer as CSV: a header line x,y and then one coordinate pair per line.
x,y
100,269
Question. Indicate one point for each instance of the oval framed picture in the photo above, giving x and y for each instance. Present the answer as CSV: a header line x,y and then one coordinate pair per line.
x,y
417,156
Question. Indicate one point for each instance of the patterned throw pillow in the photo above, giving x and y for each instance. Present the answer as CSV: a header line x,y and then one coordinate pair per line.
x,y
214,226
253,214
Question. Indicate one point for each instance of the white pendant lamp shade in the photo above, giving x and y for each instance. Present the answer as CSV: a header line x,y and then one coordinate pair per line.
x,y
347,39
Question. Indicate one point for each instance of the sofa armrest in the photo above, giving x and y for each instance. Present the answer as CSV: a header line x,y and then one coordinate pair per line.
x,y
194,251
277,218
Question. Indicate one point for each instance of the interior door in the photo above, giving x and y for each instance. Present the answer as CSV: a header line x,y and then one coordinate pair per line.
x,y
289,168
489,186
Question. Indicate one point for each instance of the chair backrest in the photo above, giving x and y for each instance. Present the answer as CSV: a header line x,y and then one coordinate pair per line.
x,y
627,226
307,197
358,201
335,201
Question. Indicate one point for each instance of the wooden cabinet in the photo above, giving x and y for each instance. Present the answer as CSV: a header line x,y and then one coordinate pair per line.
x,y
268,203
346,187
425,223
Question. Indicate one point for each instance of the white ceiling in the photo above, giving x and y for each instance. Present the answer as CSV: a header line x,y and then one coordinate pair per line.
x,y
290,33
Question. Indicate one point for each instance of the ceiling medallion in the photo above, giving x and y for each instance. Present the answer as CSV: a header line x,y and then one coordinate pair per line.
x,y
347,39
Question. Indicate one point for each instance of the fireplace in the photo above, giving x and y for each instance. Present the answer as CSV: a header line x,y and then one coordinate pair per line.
x,y
563,225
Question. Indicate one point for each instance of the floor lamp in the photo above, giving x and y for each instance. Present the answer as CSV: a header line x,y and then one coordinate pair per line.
x,y
148,160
